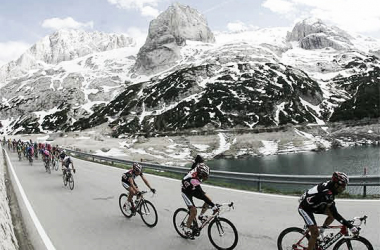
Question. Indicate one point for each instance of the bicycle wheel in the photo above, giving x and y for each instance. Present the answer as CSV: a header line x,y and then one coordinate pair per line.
x,y
358,243
293,238
71,181
124,206
148,213
48,167
179,220
222,234
64,179
56,165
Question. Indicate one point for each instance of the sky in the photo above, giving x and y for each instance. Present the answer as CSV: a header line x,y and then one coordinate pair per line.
x,y
24,22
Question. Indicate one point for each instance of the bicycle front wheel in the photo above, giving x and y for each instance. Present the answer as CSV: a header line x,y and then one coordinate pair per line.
x,y
222,234
358,243
180,217
293,238
64,179
124,206
71,182
148,213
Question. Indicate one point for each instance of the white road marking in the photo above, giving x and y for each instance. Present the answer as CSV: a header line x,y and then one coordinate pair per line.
x,y
41,231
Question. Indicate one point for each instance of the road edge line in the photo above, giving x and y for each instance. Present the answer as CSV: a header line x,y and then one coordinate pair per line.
x,y
45,238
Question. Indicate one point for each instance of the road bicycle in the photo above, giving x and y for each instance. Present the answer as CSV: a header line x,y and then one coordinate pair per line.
x,y
30,158
221,232
295,238
68,178
47,164
54,162
143,207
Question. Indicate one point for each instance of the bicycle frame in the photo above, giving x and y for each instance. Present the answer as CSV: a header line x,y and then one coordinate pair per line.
x,y
214,216
333,238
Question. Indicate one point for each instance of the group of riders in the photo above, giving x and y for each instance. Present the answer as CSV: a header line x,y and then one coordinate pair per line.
x,y
317,200
49,153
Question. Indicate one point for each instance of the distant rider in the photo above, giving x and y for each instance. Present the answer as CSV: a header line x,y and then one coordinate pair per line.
x,y
66,161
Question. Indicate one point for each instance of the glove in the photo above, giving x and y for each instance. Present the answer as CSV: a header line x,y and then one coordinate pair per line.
x,y
153,190
215,208
354,230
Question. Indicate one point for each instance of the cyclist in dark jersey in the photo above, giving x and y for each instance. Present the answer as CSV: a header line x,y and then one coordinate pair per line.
x,y
128,182
191,187
320,200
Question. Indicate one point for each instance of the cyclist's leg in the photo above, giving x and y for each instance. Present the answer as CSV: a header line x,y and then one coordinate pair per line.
x,y
309,219
330,218
188,198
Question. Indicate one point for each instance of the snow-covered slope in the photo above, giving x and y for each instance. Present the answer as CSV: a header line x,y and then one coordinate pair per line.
x,y
63,45
263,77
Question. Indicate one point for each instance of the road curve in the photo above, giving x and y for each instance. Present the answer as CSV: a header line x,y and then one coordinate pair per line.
x,y
88,217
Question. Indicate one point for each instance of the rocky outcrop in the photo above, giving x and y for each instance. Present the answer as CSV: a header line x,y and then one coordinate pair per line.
x,y
167,33
63,45
314,34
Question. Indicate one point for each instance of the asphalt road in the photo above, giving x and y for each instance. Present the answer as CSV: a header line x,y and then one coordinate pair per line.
x,y
88,217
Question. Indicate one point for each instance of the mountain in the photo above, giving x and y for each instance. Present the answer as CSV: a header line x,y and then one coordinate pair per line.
x,y
167,34
63,45
187,78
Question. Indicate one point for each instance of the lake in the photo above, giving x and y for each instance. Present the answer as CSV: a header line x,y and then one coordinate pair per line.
x,y
351,160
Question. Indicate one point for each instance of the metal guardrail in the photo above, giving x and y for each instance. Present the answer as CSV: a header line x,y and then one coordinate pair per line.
x,y
254,178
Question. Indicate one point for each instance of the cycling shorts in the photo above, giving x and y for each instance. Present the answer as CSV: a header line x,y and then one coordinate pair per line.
x,y
127,185
307,216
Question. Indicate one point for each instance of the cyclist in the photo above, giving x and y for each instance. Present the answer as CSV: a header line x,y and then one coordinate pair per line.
x,y
191,187
66,161
320,200
128,182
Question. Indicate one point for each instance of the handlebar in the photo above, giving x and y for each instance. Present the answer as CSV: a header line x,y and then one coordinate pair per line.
x,y
360,220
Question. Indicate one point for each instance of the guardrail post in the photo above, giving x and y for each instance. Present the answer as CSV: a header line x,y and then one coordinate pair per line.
x,y
364,190
259,184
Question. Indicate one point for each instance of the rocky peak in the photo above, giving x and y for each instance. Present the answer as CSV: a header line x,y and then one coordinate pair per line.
x,y
313,33
63,45
167,33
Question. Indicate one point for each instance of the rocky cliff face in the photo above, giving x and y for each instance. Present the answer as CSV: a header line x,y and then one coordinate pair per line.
x,y
314,34
167,34
63,45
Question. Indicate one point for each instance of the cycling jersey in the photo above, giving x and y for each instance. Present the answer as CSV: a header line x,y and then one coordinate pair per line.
x,y
66,161
127,175
316,200
191,187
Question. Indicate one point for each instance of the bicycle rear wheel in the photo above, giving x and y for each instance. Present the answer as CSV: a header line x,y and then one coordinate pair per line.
x,y
71,181
358,243
148,213
222,234
293,238
124,206
179,220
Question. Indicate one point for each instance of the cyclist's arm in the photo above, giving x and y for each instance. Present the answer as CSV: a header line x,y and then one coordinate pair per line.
x,y
146,181
202,195
339,217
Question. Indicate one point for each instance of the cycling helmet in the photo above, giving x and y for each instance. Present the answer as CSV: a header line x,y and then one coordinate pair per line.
x,y
340,178
137,167
203,170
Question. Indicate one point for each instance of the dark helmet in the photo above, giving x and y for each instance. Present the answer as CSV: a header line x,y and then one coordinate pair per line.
x,y
136,167
203,170
340,178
